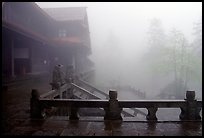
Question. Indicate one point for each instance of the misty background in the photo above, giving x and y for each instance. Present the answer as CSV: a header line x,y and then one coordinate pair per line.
x,y
151,46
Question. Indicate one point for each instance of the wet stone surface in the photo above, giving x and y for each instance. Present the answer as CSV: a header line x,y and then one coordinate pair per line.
x,y
130,129
16,121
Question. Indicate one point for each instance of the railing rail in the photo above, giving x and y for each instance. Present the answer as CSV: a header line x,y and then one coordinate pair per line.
x,y
97,90
79,103
91,95
152,103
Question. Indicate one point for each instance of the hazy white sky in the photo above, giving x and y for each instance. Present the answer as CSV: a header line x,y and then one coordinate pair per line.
x,y
132,15
129,23
130,20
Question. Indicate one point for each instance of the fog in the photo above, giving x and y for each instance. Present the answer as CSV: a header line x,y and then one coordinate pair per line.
x,y
120,41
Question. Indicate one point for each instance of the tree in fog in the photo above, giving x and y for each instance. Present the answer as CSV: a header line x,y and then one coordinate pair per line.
x,y
197,43
171,55
152,58
197,51
177,46
196,47
156,42
178,59
184,62
178,62
156,34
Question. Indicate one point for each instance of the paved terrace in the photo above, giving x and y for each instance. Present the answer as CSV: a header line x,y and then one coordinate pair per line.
x,y
16,120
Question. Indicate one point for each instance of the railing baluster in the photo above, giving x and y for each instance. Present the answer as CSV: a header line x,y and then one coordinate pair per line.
x,y
74,113
152,113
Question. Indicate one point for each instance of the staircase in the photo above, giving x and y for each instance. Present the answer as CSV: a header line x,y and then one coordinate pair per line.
x,y
84,90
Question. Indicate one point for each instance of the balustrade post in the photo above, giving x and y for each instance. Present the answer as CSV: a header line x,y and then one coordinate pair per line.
x,y
190,111
35,106
152,113
73,113
113,112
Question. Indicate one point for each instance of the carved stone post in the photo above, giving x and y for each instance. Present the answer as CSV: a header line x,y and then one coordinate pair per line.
x,y
113,112
191,111
35,106
152,113
73,113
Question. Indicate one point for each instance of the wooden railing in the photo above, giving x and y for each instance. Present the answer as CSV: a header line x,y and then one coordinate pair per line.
x,y
190,107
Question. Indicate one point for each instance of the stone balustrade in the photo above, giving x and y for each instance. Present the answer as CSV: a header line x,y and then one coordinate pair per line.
x,y
190,107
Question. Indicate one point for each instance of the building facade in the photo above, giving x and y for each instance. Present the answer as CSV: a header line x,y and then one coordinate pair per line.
x,y
34,39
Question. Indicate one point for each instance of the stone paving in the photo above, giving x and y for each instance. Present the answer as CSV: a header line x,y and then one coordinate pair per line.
x,y
16,121
64,127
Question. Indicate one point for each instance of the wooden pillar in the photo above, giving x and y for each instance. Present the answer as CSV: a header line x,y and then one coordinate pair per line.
x,y
113,112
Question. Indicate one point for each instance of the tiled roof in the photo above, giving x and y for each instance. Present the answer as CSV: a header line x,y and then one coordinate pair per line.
x,y
66,14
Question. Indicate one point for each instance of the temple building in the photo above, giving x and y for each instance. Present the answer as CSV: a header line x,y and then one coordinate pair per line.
x,y
34,39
